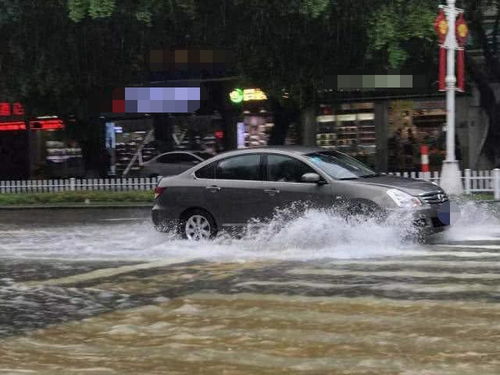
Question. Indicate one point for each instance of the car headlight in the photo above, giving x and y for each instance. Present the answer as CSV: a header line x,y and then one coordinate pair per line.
x,y
403,199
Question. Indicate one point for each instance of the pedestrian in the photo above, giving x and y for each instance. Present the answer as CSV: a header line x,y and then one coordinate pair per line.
x,y
394,148
409,152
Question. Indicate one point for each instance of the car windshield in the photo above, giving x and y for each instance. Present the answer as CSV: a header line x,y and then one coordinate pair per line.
x,y
340,166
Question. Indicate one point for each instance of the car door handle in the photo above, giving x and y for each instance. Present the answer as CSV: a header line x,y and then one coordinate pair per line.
x,y
213,188
272,191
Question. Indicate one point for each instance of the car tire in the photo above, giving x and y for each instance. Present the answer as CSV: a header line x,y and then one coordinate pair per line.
x,y
196,225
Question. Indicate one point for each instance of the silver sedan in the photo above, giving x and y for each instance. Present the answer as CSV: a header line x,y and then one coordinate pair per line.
x,y
230,189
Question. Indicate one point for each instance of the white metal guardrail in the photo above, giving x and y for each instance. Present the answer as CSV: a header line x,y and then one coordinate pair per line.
x,y
486,181
76,184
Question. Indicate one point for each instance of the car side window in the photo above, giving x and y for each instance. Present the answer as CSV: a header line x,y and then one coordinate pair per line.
x,y
207,171
166,159
244,167
186,159
286,169
177,158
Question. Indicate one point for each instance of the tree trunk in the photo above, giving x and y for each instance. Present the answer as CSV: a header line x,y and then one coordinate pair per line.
x,y
491,106
482,77
308,122
282,118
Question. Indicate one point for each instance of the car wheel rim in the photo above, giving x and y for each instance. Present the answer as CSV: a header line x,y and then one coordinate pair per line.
x,y
198,228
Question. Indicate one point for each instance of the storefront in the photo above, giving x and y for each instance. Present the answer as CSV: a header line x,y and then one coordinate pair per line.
x,y
385,133
413,124
255,121
36,148
350,129
132,140
54,154
128,143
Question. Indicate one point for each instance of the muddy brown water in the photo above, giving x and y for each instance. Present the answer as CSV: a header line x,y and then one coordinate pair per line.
x,y
108,295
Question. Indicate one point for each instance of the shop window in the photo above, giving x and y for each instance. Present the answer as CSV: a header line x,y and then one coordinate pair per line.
x,y
350,129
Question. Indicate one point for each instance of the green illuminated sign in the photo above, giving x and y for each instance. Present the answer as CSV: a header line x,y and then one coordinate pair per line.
x,y
236,96
239,95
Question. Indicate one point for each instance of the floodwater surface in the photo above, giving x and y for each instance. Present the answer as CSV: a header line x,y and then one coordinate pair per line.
x,y
86,292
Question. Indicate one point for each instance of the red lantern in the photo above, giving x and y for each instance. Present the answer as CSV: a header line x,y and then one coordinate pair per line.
x,y
462,32
441,27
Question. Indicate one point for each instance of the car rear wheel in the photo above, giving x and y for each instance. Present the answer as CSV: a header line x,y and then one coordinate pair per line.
x,y
197,225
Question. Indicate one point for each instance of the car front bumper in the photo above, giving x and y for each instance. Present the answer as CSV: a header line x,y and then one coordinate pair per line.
x,y
433,218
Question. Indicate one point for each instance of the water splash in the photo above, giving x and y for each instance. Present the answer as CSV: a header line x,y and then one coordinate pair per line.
x,y
312,234
473,221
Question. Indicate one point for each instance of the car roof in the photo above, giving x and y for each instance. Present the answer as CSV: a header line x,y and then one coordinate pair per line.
x,y
177,152
293,148
301,150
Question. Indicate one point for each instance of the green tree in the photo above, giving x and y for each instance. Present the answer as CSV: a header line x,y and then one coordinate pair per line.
x,y
392,35
280,45
54,65
487,72
86,47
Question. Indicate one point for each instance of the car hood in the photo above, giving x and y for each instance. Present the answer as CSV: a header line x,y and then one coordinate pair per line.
x,y
408,185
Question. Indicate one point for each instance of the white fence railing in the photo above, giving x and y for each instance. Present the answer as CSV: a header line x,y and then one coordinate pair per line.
x,y
486,181
76,184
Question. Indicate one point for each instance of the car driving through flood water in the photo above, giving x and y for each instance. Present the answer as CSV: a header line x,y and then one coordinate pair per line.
x,y
229,190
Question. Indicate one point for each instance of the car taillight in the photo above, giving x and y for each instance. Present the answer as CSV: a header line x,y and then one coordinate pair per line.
x,y
159,191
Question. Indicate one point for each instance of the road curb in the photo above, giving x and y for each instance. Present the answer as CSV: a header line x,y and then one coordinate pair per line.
x,y
78,206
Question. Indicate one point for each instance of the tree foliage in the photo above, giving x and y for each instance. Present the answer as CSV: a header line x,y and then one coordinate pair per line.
x,y
57,54
397,23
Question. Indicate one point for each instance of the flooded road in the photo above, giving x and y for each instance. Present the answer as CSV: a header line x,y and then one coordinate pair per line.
x,y
100,292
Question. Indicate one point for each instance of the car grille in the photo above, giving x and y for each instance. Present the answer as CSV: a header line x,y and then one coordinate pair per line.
x,y
434,197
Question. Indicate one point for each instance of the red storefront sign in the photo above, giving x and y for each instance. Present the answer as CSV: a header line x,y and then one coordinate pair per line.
x,y
11,109
12,125
51,124
16,110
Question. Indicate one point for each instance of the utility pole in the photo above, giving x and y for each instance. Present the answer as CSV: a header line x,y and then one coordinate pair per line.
x,y
451,178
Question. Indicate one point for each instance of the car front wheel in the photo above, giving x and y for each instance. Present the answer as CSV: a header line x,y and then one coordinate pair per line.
x,y
197,225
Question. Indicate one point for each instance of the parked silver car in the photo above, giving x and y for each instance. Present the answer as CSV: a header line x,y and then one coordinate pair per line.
x,y
173,163
228,190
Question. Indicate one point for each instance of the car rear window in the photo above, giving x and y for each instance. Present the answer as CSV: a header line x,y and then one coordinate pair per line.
x,y
207,171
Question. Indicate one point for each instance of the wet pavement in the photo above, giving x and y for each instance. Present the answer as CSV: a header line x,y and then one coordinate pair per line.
x,y
100,292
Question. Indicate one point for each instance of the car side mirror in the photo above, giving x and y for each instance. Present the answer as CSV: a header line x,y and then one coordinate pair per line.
x,y
312,178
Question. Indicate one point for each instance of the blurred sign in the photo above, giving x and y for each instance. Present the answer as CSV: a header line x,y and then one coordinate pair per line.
x,y
190,63
11,109
236,96
13,125
240,131
47,124
245,95
156,100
